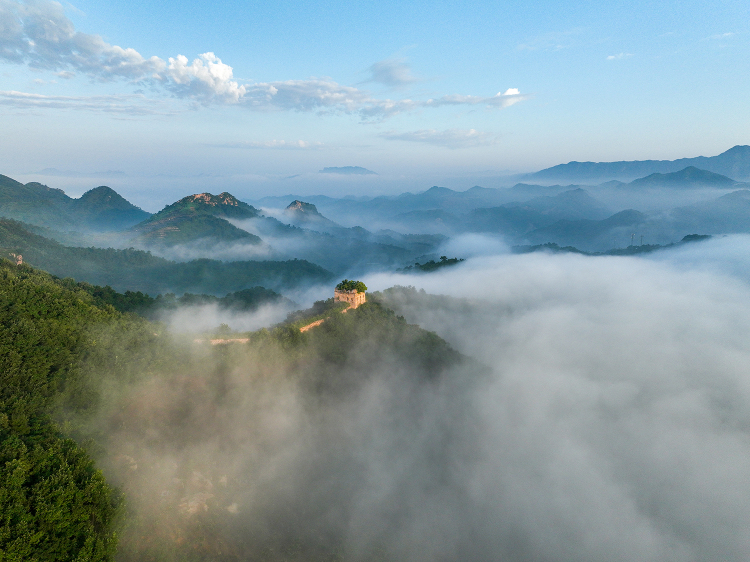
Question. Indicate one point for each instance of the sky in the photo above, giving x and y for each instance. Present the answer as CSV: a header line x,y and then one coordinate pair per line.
x,y
160,100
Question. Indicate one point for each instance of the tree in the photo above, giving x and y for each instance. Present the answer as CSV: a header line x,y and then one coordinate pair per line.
x,y
347,285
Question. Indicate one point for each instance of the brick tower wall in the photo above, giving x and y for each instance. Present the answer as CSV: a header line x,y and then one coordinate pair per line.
x,y
352,297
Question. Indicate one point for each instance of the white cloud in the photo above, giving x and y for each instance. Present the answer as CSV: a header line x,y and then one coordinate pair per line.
x,y
39,35
132,104
306,95
510,97
451,138
392,72
295,145
619,56
206,78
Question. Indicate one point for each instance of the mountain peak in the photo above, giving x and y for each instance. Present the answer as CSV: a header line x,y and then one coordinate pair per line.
x,y
212,200
298,206
437,190
688,176
103,197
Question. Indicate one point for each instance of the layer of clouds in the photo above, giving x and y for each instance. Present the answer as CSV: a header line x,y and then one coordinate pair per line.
x,y
613,423
619,56
202,318
616,422
294,145
450,138
126,104
39,35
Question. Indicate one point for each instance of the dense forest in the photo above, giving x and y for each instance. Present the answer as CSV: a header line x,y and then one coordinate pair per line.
x,y
137,270
121,441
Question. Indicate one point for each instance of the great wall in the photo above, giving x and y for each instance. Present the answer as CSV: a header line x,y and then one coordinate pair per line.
x,y
352,297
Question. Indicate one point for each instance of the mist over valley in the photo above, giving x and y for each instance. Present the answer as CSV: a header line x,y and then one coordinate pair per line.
x,y
539,372
387,281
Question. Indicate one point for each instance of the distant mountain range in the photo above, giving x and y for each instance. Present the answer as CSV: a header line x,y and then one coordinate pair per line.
x,y
207,226
401,229
688,177
734,163
400,211
137,270
348,170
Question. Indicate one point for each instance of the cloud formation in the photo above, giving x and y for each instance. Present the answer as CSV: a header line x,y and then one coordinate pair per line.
x,y
295,145
130,104
205,78
392,72
39,35
617,415
610,423
619,56
450,138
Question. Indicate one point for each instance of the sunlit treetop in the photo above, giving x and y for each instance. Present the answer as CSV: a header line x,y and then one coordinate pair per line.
x,y
347,285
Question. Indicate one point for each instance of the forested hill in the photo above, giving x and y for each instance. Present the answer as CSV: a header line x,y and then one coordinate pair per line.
x,y
54,503
137,270
99,209
150,407
202,215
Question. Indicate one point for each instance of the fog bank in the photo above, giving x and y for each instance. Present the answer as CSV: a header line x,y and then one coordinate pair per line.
x,y
604,415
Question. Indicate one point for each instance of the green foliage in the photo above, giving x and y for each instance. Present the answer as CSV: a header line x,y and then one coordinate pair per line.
x,y
69,361
99,209
321,309
432,265
247,300
189,228
136,270
54,505
347,285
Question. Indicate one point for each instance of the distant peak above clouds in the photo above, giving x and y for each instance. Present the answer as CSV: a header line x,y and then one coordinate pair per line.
x,y
347,170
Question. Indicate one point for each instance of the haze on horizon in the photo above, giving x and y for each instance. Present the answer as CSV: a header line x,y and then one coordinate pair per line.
x,y
159,101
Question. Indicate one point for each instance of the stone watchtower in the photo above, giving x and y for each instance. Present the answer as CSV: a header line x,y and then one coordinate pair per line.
x,y
351,292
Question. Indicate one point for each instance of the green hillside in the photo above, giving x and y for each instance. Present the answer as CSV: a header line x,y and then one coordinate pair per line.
x,y
137,270
196,217
183,229
102,208
99,209
224,205
54,503
146,403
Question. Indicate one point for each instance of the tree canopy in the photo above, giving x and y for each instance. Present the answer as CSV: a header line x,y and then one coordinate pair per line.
x,y
347,285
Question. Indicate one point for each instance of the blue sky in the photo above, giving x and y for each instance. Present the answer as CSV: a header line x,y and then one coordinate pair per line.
x,y
190,96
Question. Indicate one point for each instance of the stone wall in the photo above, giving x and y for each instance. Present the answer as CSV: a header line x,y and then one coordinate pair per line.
x,y
352,297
